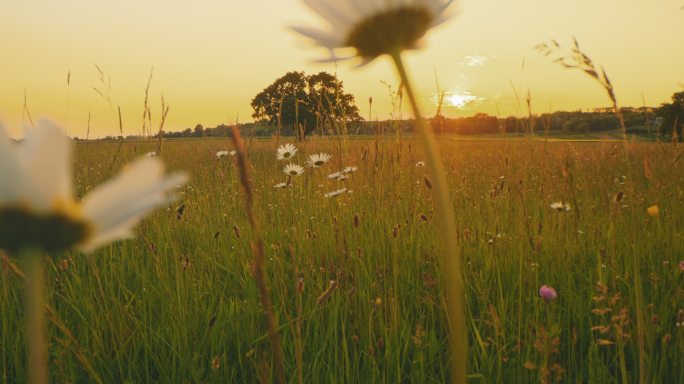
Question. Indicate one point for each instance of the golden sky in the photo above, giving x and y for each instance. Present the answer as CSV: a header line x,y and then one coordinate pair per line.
x,y
210,57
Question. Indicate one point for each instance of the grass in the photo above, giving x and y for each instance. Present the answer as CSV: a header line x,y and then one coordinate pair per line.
x,y
179,303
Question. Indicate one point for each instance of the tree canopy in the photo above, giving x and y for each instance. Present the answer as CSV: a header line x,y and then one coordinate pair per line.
x,y
310,102
673,114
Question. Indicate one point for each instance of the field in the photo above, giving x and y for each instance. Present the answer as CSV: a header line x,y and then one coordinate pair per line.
x,y
357,280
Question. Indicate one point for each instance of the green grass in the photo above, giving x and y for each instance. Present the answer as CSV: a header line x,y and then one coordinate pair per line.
x,y
165,306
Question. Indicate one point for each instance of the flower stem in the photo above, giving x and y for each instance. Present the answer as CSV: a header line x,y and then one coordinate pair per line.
x,y
35,302
444,211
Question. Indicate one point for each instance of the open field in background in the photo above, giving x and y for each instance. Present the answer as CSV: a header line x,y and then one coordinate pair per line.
x,y
178,303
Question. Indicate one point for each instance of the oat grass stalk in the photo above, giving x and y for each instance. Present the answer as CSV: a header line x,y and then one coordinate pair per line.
x,y
260,276
444,211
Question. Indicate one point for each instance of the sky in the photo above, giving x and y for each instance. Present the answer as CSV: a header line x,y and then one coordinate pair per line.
x,y
209,58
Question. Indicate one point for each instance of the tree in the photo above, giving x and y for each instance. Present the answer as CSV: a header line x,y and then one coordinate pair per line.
x,y
199,130
673,114
296,101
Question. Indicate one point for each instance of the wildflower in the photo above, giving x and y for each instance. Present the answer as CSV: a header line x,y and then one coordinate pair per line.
x,y
37,209
335,175
547,293
350,169
653,211
293,170
375,28
285,151
560,206
420,164
335,193
151,154
280,185
318,159
221,154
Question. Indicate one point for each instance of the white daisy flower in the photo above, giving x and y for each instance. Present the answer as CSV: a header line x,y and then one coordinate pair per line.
x,y
37,208
318,159
560,206
374,27
335,176
221,154
420,164
151,154
350,169
286,151
293,170
335,193
280,185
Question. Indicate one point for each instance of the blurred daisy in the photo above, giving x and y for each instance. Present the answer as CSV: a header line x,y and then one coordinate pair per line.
x,y
285,151
221,154
293,170
335,175
335,193
280,185
420,164
318,159
560,206
151,154
350,169
37,209
374,27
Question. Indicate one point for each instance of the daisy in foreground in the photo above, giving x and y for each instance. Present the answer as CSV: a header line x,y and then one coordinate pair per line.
x,y
293,170
39,214
318,159
388,27
375,27
285,151
335,193
37,209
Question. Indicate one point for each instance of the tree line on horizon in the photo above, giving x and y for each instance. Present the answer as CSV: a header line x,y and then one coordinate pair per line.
x,y
297,104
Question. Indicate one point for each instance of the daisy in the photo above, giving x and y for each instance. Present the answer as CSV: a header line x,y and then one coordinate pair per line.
x,y
285,151
336,175
221,154
335,193
374,27
37,209
420,164
293,170
318,159
280,185
151,154
560,206
350,169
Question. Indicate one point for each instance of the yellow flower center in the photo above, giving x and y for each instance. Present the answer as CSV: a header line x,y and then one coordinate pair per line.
x,y
390,31
20,228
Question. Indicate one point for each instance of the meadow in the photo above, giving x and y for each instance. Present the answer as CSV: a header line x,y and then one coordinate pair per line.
x,y
357,280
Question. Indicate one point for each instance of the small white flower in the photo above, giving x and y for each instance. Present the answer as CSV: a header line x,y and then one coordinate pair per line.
x,y
280,185
318,159
335,193
350,169
37,208
151,154
286,151
335,175
374,27
293,170
221,154
560,206
420,164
